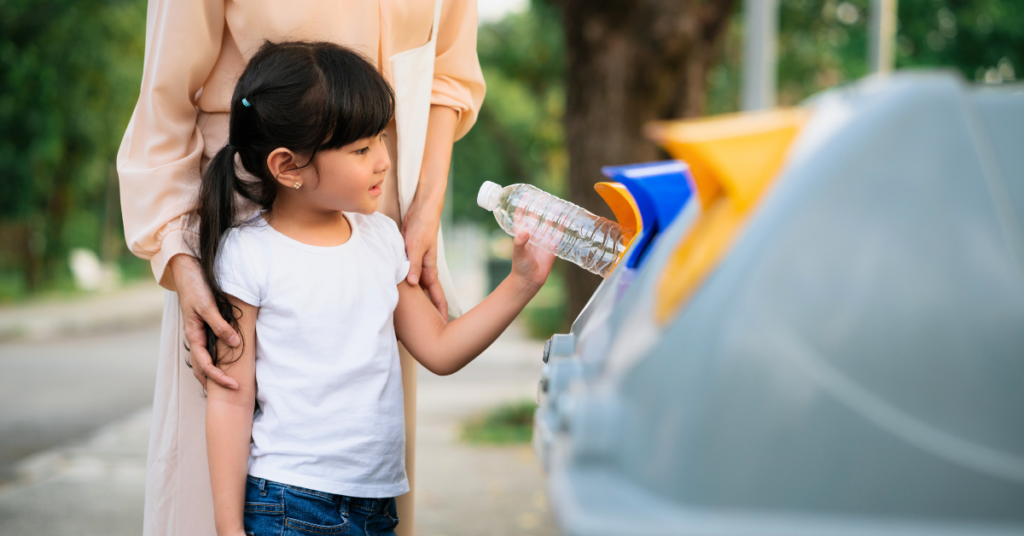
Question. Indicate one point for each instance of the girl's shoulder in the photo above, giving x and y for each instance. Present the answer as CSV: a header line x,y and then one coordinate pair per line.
x,y
247,234
381,234
243,261
375,223
248,243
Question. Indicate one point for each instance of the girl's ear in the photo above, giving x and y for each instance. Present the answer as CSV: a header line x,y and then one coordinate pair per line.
x,y
284,165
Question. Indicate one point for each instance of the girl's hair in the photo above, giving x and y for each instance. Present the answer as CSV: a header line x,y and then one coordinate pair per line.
x,y
305,97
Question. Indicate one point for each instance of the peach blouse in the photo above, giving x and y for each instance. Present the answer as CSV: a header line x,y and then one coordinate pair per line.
x,y
195,52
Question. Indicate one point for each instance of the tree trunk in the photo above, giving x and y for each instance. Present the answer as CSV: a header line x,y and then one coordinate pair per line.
x,y
629,62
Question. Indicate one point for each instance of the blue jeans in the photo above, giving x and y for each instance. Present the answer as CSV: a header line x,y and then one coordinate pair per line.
x,y
273,509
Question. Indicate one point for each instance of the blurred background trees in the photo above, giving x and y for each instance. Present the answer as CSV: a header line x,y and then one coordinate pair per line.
x,y
570,82
629,62
69,77
822,44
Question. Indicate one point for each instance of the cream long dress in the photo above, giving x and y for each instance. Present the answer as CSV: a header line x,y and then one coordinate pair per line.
x,y
195,51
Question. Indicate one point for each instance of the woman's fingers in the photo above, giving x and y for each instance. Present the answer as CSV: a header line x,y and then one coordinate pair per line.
x,y
198,355
423,272
198,373
202,363
203,369
216,374
415,262
436,293
197,307
224,332
430,282
220,327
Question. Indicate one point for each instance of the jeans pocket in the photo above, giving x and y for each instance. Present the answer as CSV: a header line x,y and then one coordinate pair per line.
x,y
264,508
310,512
384,520
391,513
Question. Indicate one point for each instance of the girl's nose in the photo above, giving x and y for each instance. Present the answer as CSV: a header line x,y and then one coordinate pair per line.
x,y
384,163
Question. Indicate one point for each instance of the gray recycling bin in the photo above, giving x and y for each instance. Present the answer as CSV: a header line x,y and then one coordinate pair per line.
x,y
854,363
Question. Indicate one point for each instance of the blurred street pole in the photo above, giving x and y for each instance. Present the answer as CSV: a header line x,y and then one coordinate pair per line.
x,y
760,53
883,36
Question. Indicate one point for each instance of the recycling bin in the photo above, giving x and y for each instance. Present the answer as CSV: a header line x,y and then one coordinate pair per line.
x,y
824,335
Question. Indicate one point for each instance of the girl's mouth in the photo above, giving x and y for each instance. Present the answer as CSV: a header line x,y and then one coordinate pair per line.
x,y
377,188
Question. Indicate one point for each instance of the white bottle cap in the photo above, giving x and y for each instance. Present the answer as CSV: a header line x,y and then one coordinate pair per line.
x,y
489,196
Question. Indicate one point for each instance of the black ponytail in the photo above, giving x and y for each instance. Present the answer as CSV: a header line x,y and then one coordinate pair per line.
x,y
306,97
216,213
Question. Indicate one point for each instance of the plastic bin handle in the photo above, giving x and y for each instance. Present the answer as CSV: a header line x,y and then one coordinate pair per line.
x,y
622,204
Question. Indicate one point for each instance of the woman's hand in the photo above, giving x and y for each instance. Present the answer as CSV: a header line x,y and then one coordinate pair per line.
x,y
197,307
420,231
530,264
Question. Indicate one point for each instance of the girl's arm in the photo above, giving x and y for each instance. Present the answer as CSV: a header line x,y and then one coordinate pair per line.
x,y
229,425
444,348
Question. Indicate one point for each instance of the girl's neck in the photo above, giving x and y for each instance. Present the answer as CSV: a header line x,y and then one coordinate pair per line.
x,y
310,226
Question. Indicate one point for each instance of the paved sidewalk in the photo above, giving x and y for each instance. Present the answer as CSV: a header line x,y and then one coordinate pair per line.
x,y
95,487
470,490
137,304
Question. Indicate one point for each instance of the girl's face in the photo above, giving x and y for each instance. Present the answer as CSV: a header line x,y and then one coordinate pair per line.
x,y
349,179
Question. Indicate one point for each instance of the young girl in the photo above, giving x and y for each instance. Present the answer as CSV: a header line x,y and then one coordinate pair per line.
x,y
315,284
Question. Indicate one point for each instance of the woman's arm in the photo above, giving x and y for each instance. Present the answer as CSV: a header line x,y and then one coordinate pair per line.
x,y
422,220
456,95
159,157
444,348
229,425
162,147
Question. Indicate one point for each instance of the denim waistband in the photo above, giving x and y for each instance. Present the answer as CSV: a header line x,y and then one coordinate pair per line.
x,y
363,503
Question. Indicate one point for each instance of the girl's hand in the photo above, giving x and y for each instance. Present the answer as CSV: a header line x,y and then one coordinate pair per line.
x,y
530,264
197,306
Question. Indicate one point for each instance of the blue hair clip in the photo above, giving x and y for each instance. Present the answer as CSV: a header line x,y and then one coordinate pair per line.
x,y
245,103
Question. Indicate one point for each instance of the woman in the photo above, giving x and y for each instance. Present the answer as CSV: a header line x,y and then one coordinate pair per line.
x,y
195,51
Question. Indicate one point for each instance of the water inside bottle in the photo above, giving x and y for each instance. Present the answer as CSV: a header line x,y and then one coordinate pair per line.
x,y
570,232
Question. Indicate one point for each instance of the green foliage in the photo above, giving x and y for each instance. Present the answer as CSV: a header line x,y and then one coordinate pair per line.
x,y
70,73
69,78
518,136
983,39
824,43
508,423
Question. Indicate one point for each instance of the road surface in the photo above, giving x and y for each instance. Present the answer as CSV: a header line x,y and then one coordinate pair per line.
x,y
78,408
52,392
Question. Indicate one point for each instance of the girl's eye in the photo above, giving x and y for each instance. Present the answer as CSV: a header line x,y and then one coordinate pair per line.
x,y
364,150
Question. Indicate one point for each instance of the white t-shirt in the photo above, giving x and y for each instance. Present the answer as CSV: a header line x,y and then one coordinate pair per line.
x,y
329,382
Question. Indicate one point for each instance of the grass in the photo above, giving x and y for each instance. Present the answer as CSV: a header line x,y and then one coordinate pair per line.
x,y
506,424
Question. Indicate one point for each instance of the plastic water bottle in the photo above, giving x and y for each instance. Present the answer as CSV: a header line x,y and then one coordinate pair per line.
x,y
570,232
